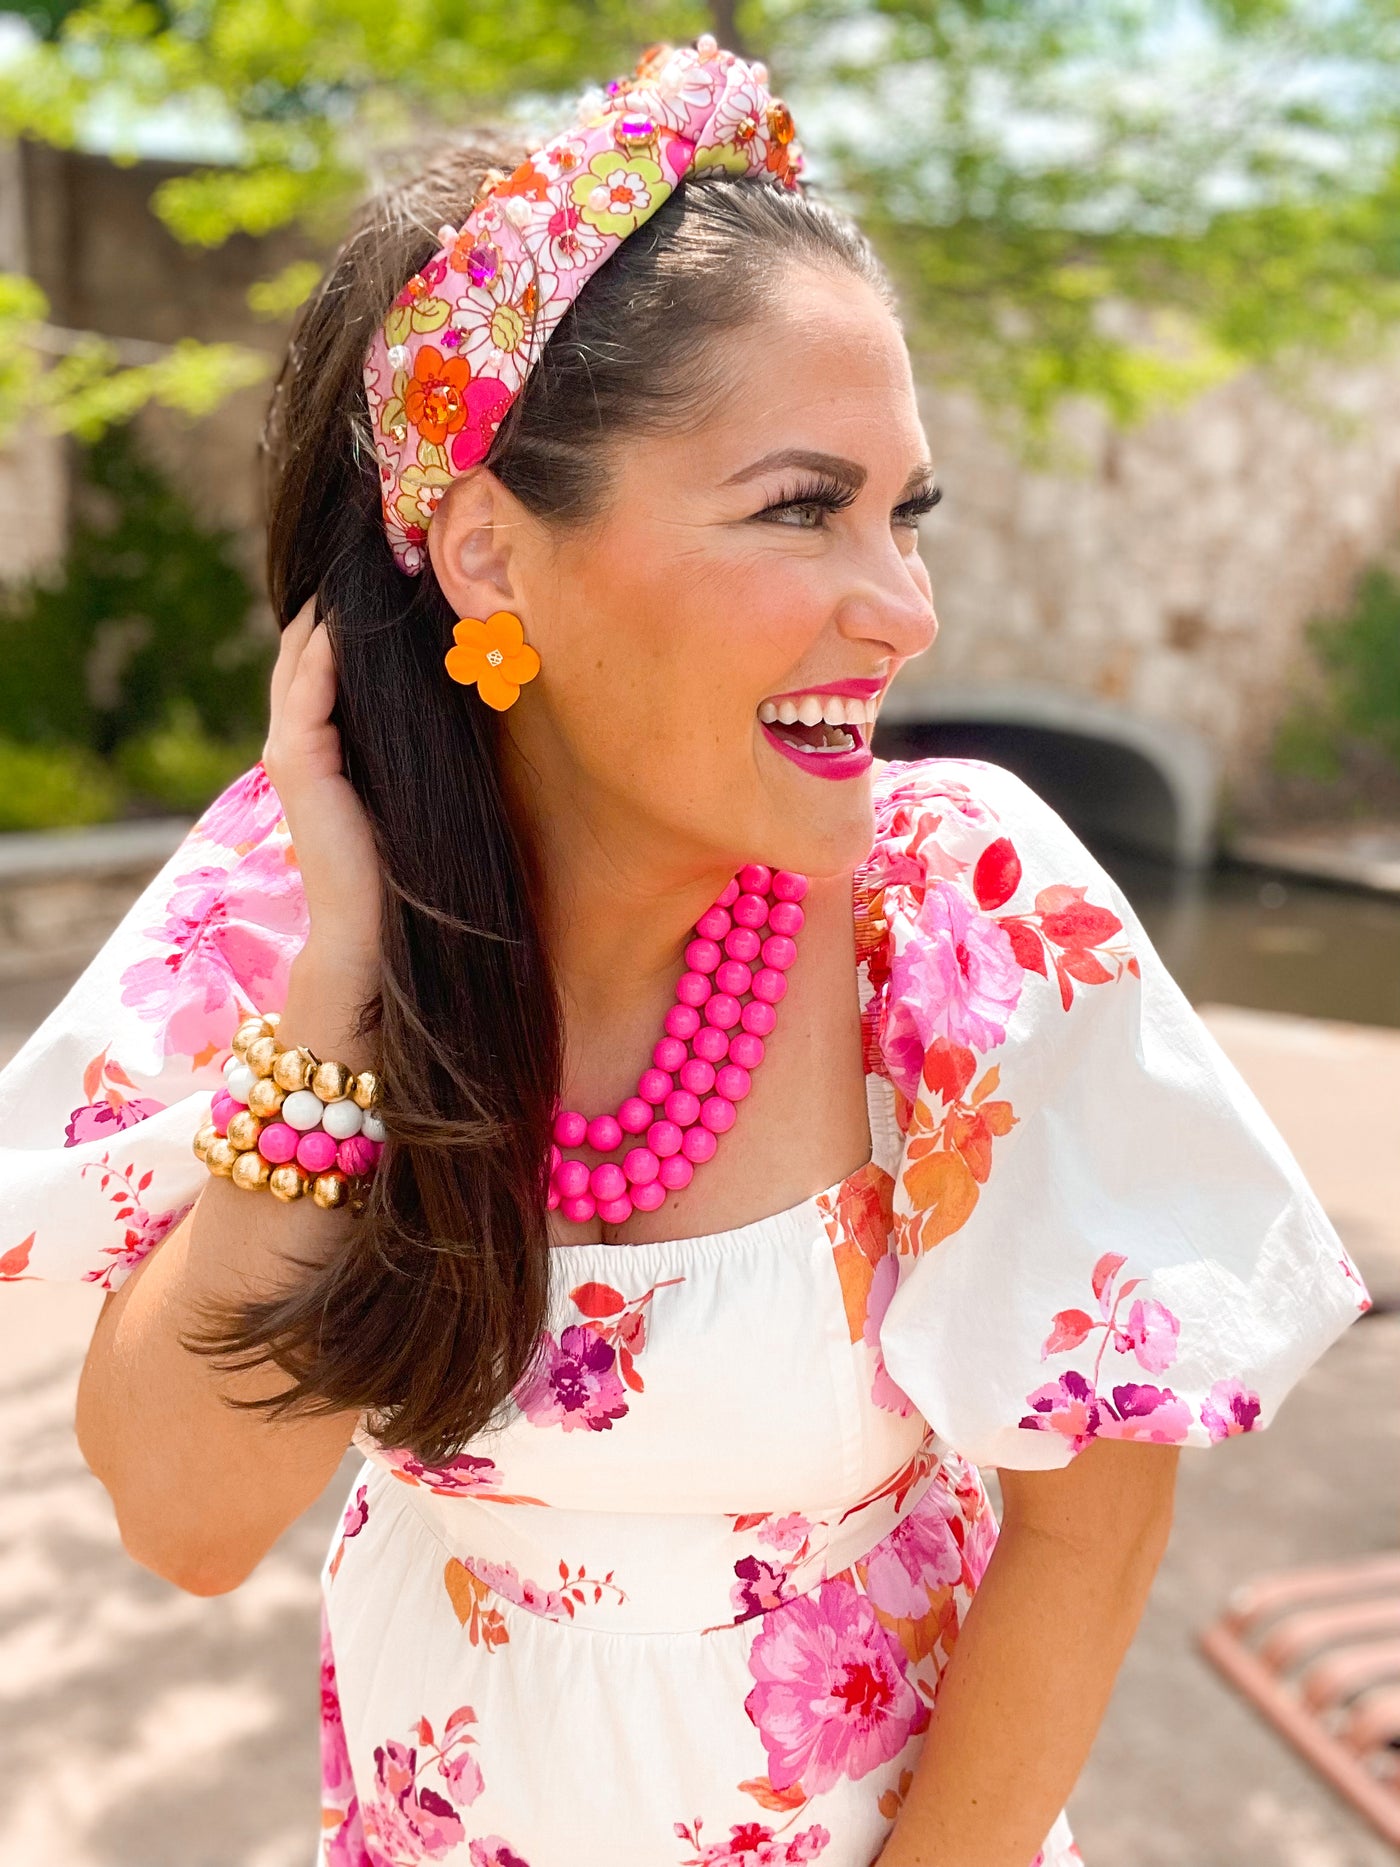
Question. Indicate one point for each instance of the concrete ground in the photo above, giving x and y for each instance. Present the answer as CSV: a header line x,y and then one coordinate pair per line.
x,y
140,1727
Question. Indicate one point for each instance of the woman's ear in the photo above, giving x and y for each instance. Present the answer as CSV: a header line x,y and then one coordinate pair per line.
x,y
469,544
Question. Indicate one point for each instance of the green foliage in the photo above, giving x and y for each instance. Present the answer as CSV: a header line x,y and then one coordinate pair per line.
x,y
1125,199
179,766
1358,659
52,787
151,609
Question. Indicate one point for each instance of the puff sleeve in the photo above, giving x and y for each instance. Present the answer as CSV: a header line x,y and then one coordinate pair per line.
x,y
100,1106
1100,1231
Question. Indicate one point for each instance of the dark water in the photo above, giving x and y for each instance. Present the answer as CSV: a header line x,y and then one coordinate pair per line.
x,y
1240,936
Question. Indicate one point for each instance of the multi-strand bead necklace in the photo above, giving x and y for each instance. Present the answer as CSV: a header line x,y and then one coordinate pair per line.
x,y
726,1005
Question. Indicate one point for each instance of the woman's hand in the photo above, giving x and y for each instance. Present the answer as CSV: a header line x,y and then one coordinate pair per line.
x,y
329,827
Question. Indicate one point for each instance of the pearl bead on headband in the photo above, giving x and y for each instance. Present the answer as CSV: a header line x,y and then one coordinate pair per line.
x,y
463,334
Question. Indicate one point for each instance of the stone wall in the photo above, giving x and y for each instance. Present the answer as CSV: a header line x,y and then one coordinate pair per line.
x,y
1166,572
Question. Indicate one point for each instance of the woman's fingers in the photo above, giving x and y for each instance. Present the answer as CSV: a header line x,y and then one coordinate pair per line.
x,y
294,639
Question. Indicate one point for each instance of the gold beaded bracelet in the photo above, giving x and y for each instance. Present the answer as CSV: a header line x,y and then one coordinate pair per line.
x,y
231,1142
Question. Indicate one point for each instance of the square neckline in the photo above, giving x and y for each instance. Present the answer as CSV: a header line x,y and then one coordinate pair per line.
x,y
785,1221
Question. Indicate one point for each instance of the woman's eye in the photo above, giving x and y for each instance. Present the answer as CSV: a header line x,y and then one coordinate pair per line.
x,y
802,508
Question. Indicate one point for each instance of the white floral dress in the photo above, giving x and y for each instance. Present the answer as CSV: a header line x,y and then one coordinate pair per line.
x,y
692,1600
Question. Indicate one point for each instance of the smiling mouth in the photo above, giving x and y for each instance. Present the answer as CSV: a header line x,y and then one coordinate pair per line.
x,y
829,724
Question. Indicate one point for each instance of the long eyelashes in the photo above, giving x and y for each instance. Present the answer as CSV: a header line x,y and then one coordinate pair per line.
x,y
825,494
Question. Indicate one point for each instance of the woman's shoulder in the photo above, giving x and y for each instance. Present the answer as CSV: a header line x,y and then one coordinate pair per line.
x,y
948,812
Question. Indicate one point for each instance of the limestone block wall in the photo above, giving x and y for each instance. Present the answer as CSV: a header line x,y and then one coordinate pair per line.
x,y
1167,571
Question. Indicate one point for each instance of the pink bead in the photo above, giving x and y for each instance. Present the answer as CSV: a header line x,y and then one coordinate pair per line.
x,y
742,944
570,1128
554,1158
734,978
378,1147
354,1155
779,952
316,1150
607,1181
635,1116
699,1145
788,885
698,1076
222,1109
676,1172
682,1108
746,1050
717,1113
730,895
604,1134
758,1017
711,1044
615,1211
703,955
732,1082
640,1165
572,1179
682,1021
669,1054
579,1211
755,879
714,925
278,1142
664,1139
769,985
692,988
551,1199
649,1198
653,1086
750,910
785,917
723,1011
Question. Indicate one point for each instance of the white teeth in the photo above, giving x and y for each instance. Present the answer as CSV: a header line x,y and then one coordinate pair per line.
x,y
836,711
768,713
810,710
787,712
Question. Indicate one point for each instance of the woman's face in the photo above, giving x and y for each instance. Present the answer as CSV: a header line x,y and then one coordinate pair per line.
x,y
762,562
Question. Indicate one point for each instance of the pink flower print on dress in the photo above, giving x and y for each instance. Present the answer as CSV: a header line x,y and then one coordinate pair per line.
x,y
340,1809
409,1821
751,1844
954,976
760,1586
1068,1407
143,1229
786,1533
1152,1414
1151,1334
505,1580
243,814
920,1554
574,1384
97,1120
831,1697
492,1851
1229,1408
232,937
883,1284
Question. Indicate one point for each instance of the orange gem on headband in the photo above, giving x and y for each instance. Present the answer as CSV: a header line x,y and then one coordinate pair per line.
x,y
463,334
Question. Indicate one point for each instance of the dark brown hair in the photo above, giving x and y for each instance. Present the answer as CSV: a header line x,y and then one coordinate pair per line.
x,y
431,1312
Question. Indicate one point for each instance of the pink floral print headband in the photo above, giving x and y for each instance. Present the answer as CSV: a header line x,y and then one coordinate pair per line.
x,y
463,334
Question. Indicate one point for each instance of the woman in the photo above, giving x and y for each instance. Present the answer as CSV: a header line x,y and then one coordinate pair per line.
x,y
772,1135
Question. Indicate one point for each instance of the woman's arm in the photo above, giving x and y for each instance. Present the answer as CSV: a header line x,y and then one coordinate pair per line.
x,y
1024,1693
201,1489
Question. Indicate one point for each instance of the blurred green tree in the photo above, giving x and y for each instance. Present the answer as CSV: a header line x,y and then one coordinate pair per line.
x,y
1126,199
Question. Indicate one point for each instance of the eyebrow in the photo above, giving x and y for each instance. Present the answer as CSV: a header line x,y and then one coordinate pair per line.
x,y
836,465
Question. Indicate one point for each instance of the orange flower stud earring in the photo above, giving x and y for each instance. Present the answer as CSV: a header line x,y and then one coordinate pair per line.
x,y
493,656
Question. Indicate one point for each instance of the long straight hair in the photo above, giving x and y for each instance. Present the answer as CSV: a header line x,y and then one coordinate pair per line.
x,y
430,1313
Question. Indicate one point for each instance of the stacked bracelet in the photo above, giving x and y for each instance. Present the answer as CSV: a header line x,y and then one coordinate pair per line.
x,y
291,1121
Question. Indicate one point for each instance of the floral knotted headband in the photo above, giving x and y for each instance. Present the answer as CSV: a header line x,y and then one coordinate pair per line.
x,y
464,333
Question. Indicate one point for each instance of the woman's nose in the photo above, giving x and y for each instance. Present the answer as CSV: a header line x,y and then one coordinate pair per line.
x,y
894,607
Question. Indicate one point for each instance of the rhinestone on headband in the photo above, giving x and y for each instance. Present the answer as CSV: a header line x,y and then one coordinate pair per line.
x,y
462,336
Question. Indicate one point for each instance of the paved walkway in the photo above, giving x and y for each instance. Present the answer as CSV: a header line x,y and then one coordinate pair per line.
x,y
145,1728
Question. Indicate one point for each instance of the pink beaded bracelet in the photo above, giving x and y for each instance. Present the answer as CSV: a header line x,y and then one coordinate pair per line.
x,y
291,1121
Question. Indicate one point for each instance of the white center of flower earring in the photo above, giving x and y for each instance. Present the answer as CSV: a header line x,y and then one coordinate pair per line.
x,y
495,657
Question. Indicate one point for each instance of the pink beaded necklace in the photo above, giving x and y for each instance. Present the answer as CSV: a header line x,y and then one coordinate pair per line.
x,y
698,1071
